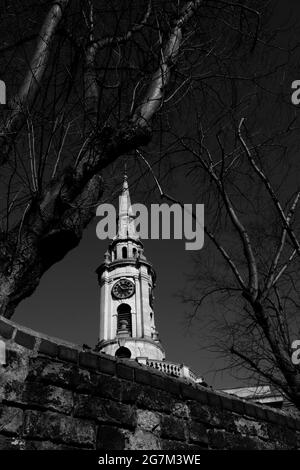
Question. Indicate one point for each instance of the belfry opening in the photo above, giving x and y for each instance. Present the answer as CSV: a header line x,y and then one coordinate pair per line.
x,y
124,322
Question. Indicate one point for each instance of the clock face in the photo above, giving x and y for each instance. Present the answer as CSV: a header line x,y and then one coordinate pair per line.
x,y
123,289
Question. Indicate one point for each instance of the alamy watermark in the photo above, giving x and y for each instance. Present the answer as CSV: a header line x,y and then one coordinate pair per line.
x,y
295,97
2,353
2,92
296,353
165,220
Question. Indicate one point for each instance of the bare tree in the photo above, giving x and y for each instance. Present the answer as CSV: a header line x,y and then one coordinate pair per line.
x,y
252,221
89,81
239,150
48,204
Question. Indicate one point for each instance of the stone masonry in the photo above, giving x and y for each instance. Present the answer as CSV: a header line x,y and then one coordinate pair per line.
x,y
54,395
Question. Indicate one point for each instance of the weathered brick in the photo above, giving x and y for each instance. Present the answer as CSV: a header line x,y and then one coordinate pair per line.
x,y
281,434
172,428
181,410
276,418
161,382
16,361
143,440
68,354
142,376
88,360
84,381
203,413
280,446
111,438
11,443
108,387
250,409
272,417
130,391
48,397
218,439
151,377
214,399
11,419
124,372
172,385
62,374
250,427
291,422
106,365
12,391
13,375
194,393
152,399
50,371
238,406
148,420
49,348
225,419
261,413
59,428
227,403
48,445
197,433
6,330
212,416
106,411
25,339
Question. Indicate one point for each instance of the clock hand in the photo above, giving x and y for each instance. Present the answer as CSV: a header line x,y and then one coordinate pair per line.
x,y
123,287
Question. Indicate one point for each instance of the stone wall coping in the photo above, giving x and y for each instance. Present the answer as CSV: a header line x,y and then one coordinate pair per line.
x,y
40,344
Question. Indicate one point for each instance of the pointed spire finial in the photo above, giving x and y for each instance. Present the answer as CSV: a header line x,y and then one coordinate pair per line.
x,y
125,182
126,224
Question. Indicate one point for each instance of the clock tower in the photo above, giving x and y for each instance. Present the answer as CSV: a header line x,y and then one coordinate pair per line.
x,y
127,280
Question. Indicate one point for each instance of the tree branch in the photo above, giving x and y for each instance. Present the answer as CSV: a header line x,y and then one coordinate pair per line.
x,y
54,222
269,189
160,79
32,80
220,248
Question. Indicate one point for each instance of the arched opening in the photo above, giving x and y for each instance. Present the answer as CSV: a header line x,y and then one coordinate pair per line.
x,y
124,252
134,252
123,352
124,322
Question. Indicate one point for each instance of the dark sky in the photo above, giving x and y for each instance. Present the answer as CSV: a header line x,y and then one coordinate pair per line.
x,y
66,304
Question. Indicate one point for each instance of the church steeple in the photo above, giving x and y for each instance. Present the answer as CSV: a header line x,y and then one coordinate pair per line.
x,y
127,280
126,224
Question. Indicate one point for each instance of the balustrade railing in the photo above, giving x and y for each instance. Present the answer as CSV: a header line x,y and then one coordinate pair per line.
x,y
176,370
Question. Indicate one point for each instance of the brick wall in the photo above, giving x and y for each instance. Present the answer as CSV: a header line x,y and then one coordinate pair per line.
x,y
54,395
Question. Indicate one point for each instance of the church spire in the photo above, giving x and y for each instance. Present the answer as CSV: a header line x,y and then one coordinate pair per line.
x,y
126,223
127,280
